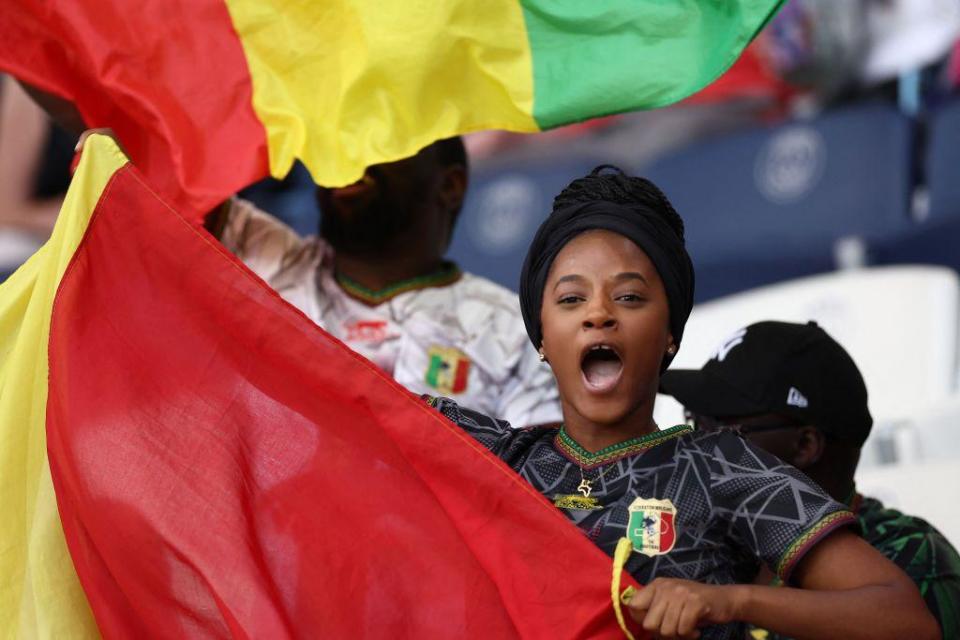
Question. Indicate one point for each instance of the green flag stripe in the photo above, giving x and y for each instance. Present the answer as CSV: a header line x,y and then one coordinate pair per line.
x,y
597,58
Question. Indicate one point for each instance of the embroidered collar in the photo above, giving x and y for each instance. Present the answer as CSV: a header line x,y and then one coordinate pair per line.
x,y
448,273
586,460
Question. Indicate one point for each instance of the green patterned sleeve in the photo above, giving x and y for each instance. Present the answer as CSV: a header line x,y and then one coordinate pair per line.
x,y
940,583
923,553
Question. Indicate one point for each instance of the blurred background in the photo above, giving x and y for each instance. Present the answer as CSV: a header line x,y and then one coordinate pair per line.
x,y
819,178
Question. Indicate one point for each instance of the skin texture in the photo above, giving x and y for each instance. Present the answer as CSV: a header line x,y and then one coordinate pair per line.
x,y
603,288
848,590
23,135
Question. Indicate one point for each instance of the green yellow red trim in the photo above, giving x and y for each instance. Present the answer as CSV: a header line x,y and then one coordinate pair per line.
x,y
445,275
587,460
799,547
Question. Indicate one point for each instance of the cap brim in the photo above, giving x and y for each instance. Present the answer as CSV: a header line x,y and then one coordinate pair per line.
x,y
706,394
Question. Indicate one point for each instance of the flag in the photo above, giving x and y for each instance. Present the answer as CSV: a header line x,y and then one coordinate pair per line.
x,y
224,468
210,95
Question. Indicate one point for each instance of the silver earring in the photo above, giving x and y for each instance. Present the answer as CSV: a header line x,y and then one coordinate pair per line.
x,y
672,349
543,356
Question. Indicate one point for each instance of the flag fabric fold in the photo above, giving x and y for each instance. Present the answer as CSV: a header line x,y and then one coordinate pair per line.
x,y
224,468
39,592
211,95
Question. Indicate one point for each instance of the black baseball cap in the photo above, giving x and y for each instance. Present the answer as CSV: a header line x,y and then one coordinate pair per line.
x,y
795,370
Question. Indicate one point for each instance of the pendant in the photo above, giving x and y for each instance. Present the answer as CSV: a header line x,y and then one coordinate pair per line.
x,y
573,501
585,487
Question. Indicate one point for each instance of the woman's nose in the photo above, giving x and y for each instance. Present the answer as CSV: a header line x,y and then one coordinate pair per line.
x,y
599,317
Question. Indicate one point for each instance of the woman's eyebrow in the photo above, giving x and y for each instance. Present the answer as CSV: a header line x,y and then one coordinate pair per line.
x,y
569,278
630,275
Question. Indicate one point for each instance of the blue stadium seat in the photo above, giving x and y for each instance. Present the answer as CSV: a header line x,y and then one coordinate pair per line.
x,y
943,162
937,238
936,241
770,204
505,205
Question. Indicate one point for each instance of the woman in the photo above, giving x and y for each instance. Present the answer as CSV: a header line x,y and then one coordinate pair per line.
x,y
605,291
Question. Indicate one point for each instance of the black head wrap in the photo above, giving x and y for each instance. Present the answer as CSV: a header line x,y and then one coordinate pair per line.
x,y
642,224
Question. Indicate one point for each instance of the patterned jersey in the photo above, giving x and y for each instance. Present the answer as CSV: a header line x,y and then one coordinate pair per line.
x,y
731,506
920,551
464,339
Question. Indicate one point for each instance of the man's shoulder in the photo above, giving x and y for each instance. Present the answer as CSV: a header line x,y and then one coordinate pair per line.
x,y
884,526
266,244
240,209
477,288
476,306
246,216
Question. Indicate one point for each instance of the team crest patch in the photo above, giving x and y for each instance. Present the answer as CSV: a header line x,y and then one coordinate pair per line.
x,y
447,370
652,528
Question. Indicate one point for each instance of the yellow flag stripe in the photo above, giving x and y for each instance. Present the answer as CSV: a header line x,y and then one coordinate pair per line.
x,y
470,69
40,595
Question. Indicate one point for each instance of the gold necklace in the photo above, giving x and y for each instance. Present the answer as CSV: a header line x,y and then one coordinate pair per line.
x,y
586,502
586,486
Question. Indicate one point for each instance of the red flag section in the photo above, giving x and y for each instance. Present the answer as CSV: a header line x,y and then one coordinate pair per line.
x,y
170,78
224,468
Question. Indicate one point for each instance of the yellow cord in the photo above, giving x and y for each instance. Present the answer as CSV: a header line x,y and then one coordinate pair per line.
x,y
624,549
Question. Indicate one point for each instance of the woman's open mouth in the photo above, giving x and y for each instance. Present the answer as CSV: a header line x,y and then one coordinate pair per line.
x,y
601,367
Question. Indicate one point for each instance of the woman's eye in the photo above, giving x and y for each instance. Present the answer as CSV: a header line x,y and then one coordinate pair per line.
x,y
569,299
629,297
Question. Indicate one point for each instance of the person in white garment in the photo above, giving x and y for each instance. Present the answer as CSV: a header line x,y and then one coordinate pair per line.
x,y
375,277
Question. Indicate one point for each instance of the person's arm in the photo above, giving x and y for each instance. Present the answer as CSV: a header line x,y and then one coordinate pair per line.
x,y
23,135
261,241
771,511
847,590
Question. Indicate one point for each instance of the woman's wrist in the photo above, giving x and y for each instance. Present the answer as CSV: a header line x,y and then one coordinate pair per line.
x,y
741,595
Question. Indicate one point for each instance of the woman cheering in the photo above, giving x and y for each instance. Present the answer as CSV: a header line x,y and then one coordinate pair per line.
x,y
605,291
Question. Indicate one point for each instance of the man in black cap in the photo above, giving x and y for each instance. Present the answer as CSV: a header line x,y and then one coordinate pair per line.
x,y
792,390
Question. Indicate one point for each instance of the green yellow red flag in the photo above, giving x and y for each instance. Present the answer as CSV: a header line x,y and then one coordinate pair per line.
x,y
210,95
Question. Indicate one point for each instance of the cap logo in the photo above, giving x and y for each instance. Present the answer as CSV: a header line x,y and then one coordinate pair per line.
x,y
724,349
796,399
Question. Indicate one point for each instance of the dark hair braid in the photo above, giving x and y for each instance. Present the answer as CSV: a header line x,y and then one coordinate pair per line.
x,y
609,183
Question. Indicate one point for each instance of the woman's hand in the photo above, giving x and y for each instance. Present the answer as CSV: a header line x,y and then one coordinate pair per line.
x,y
671,608
103,131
